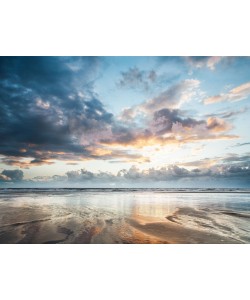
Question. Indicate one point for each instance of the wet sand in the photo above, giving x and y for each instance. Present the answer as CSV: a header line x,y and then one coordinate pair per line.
x,y
190,226
50,219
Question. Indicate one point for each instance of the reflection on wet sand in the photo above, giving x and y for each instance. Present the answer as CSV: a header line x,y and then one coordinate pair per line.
x,y
180,228
91,217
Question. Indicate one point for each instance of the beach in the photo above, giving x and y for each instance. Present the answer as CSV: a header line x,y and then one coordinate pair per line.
x,y
124,216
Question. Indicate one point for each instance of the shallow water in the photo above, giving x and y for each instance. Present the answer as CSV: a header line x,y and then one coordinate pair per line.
x,y
124,216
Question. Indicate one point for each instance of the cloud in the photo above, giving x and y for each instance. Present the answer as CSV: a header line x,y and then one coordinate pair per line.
x,y
211,130
84,175
209,62
171,98
202,163
49,179
215,124
231,167
165,173
241,144
13,175
229,159
4,178
160,121
169,126
170,173
235,158
135,78
26,164
238,93
50,111
113,154
164,120
228,114
174,96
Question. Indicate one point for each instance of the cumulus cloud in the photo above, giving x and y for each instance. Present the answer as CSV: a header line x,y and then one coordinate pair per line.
x,y
41,105
47,179
49,111
13,175
84,175
214,170
238,93
232,166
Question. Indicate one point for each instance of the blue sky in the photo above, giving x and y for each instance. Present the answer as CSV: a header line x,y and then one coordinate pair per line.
x,y
170,121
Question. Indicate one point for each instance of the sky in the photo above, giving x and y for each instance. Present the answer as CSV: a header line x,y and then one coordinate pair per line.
x,y
124,122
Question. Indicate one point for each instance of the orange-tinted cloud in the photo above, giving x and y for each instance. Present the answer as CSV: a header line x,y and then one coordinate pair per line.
x,y
203,163
238,93
215,124
26,164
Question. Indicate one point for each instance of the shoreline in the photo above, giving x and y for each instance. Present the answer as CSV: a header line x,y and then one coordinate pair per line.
x,y
159,190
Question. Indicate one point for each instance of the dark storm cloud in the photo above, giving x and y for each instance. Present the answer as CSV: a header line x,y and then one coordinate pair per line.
x,y
13,175
48,106
49,76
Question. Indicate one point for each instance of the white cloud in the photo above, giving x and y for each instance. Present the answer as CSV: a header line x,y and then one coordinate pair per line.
x,y
204,61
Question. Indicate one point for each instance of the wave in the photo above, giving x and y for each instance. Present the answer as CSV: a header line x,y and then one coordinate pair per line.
x,y
122,190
